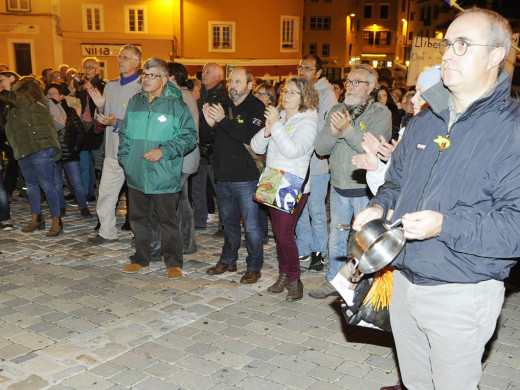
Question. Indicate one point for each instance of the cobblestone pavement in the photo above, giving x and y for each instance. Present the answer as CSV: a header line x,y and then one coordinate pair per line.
x,y
70,319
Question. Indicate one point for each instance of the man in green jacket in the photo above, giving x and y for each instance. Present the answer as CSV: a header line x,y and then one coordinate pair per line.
x,y
158,130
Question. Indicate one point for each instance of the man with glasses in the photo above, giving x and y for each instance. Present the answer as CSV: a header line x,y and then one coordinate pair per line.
x,y
158,130
111,108
453,181
340,140
236,174
93,141
311,233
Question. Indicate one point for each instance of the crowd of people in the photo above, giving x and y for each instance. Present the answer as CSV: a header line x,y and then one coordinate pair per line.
x,y
171,143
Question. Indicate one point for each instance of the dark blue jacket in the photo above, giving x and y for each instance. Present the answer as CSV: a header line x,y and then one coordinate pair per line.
x,y
475,184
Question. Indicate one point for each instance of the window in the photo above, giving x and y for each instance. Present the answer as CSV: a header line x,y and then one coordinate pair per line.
x,y
221,36
18,5
435,11
383,12
135,19
92,17
412,15
313,48
403,6
325,50
367,12
380,38
289,30
320,23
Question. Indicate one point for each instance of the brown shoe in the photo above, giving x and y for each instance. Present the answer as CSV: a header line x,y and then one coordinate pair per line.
x,y
174,273
134,267
220,268
295,291
250,277
280,284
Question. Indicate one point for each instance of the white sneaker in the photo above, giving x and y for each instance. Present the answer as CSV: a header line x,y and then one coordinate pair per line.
x,y
305,258
210,218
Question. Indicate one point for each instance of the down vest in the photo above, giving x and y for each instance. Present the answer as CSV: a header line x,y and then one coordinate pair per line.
x,y
29,127
474,183
165,123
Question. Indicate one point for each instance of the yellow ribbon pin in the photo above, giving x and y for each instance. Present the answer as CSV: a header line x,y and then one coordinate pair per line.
x,y
444,143
240,121
288,128
362,124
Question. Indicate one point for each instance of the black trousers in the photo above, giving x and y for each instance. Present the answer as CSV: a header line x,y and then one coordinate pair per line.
x,y
165,205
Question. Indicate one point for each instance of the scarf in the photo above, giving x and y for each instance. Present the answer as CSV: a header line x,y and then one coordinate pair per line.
x,y
356,111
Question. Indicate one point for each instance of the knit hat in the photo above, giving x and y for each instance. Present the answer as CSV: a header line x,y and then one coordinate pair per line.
x,y
429,77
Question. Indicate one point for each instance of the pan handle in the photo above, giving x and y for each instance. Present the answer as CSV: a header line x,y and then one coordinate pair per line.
x,y
394,224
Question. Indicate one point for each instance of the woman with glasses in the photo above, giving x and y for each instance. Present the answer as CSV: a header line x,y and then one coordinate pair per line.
x,y
289,138
266,93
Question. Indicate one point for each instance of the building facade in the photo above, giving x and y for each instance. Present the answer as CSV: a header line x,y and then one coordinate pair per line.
x,y
42,33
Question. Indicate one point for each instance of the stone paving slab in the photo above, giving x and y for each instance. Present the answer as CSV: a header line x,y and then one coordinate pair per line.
x,y
71,320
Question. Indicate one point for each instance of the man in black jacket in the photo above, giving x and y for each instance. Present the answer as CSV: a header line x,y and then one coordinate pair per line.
x,y
213,91
236,173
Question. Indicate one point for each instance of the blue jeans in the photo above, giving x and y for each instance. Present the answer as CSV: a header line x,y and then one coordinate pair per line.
x,y
311,234
72,169
342,209
5,213
38,171
235,199
87,158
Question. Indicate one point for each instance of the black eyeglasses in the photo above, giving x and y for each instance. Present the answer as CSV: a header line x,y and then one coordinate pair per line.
x,y
460,46
150,76
355,83
89,67
305,68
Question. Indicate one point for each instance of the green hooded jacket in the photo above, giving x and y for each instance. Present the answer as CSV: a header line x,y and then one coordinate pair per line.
x,y
165,123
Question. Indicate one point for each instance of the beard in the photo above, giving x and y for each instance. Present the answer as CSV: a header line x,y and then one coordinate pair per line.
x,y
353,100
236,95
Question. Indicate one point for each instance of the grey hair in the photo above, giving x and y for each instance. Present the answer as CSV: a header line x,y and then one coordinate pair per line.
x,y
91,59
156,62
498,30
372,74
135,50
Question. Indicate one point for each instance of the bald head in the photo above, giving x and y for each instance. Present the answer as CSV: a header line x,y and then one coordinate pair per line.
x,y
211,75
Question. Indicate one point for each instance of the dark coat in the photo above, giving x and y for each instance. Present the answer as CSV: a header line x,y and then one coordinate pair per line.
x,y
30,126
72,136
93,140
231,160
217,94
474,183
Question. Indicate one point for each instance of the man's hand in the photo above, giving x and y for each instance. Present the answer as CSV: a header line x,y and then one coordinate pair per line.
x,y
370,213
216,112
110,120
153,155
422,225
97,98
205,111
339,121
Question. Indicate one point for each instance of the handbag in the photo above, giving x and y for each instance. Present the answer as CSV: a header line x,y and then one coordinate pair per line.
x,y
365,302
280,189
